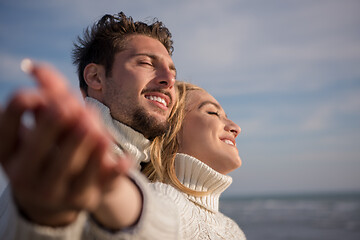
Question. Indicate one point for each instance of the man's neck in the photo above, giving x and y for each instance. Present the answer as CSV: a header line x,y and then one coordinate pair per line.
x,y
125,137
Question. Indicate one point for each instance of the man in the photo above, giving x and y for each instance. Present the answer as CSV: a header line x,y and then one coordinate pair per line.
x,y
62,165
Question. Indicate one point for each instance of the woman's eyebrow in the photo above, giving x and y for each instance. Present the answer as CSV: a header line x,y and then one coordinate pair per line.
x,y
211,103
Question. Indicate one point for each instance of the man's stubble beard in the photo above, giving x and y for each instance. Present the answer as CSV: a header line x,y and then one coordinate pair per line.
x,y
148,125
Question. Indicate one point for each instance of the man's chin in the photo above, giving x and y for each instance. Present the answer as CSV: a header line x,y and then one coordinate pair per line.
x,y
150,126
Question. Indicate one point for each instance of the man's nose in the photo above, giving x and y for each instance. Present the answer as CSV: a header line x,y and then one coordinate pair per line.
x,y
166,78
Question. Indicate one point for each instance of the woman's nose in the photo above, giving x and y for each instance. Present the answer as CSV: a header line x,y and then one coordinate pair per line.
x,y
232,127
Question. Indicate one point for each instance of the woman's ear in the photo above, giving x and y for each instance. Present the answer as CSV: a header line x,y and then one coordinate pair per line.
x,y
94,76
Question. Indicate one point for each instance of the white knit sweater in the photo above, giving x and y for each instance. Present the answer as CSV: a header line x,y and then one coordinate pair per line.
x,y
195,217
167,213
199,217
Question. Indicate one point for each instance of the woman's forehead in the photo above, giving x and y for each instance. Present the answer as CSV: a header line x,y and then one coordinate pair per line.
x,y
196,98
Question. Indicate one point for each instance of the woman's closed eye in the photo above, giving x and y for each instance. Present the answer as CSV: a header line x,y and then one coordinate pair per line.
x,y
213,113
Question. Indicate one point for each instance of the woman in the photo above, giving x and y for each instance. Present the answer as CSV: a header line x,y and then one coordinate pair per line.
x,y
190,161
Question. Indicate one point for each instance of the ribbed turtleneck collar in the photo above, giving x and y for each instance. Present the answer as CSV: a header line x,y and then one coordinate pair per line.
x,y
125,137
198,176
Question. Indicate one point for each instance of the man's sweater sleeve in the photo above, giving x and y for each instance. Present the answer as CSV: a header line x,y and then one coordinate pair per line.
x,y
159,220
159,217
14,226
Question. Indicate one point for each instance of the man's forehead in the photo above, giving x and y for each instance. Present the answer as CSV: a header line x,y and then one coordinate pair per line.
x,y
147,45
141,45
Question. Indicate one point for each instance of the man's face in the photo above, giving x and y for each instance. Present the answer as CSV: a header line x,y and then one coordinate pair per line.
x,y
140,89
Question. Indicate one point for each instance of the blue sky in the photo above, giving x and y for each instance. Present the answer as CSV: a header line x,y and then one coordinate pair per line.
x,y
286,71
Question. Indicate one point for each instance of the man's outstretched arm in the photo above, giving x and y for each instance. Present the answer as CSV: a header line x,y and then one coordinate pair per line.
x,y
63,163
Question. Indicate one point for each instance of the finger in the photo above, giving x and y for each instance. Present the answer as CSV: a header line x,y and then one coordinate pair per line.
x,y
72,152
124,163
51,125
51,82
113,165
71,156
34,155
54,120
56,171
111,168
10,120
85,189
46,76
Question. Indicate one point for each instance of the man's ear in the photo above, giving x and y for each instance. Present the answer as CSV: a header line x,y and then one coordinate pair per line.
x,y
94,75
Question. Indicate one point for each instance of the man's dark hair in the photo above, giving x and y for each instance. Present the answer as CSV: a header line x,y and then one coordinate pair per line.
x,y
108,36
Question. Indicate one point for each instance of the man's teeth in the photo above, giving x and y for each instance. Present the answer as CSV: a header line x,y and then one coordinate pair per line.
x,y
229,142
157,99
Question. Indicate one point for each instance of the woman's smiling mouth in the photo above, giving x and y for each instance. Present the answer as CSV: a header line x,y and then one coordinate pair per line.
x,y
229,141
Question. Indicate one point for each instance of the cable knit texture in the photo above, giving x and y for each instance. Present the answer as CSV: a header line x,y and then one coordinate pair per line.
x,y
167,213
199,216
198,176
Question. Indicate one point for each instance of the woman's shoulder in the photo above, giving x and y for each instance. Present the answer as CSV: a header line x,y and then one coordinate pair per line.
x,y
231,229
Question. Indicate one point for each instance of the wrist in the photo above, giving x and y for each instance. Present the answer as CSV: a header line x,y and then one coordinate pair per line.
x,y
49,218
120,208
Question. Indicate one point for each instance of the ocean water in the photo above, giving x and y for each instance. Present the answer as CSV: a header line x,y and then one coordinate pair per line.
x,y
296,217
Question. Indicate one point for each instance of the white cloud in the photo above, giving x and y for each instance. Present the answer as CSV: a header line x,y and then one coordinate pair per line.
x,y
291,118
319,120
297,48
324,115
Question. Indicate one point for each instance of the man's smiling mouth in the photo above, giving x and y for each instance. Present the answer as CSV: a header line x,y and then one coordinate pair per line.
x,y
157,99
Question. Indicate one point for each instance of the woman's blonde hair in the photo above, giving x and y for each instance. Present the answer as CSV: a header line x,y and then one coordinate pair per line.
x,y
161,168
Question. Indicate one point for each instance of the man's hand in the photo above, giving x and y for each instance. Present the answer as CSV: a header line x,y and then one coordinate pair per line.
x,y
63,163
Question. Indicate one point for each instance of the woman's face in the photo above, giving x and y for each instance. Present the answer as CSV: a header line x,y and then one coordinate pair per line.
x,y
208,134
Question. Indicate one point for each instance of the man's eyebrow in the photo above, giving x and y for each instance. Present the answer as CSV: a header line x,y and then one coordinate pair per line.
x,y
150,55
153,56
